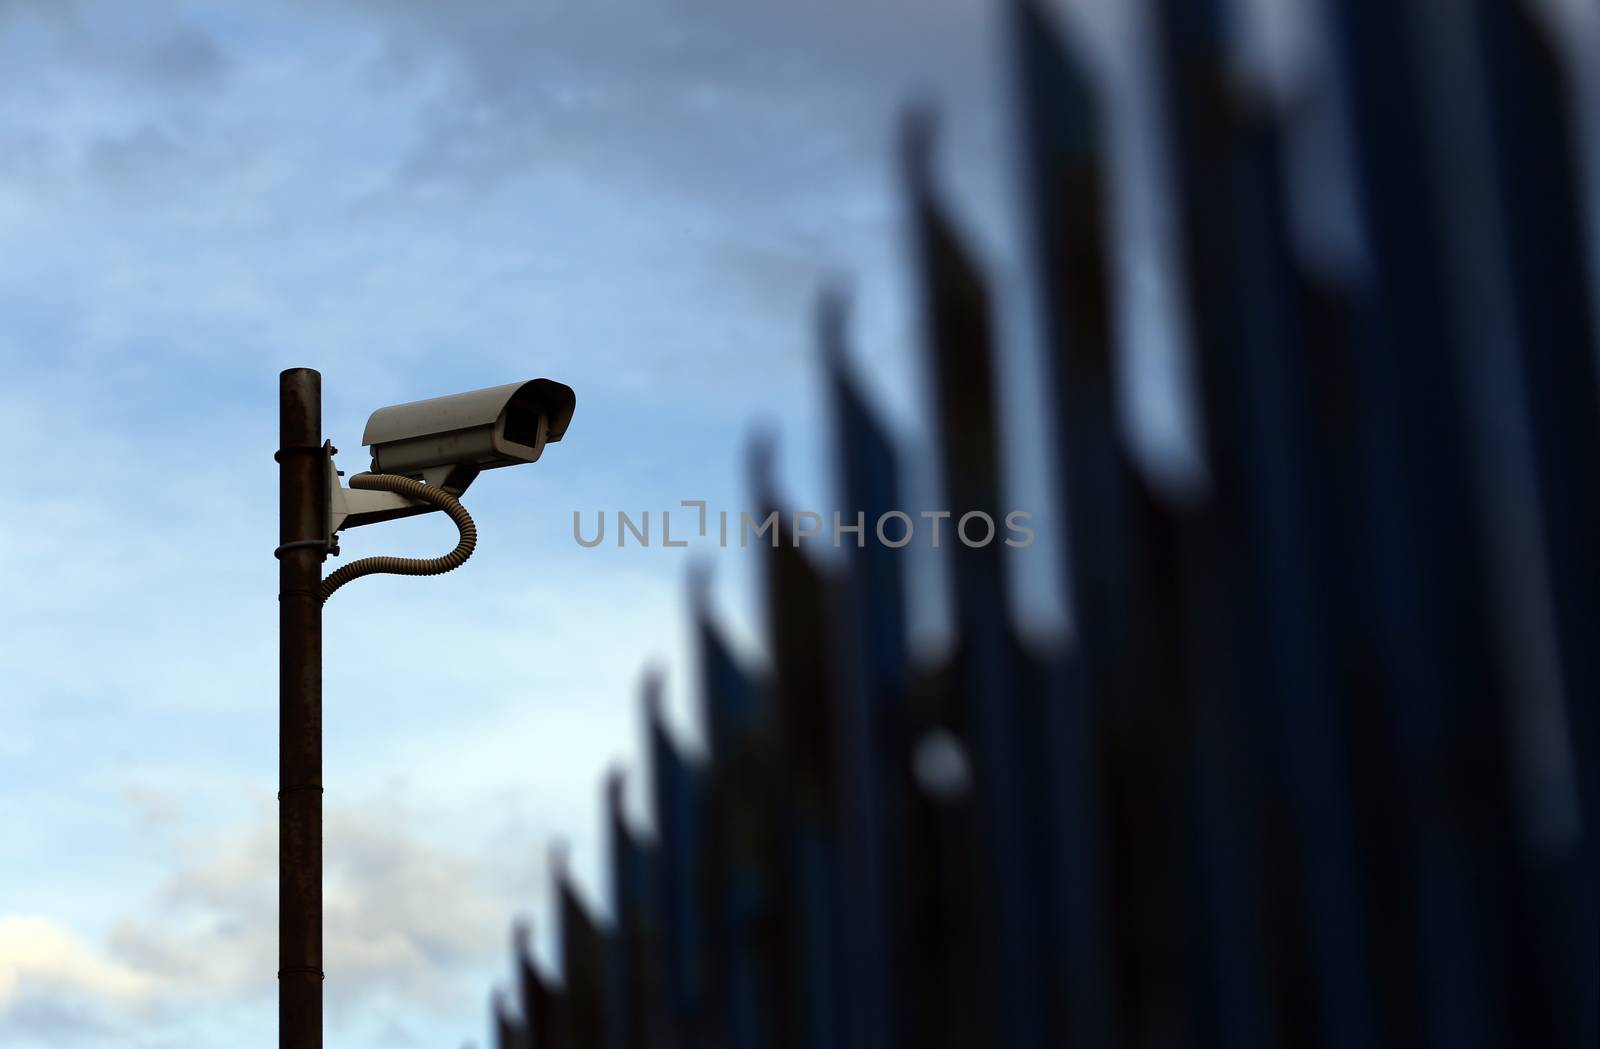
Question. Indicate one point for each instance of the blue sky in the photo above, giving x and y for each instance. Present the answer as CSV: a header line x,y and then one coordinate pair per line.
x,y
640,203
415,198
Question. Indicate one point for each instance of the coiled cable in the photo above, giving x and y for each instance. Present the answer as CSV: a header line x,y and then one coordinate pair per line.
x,y
408,565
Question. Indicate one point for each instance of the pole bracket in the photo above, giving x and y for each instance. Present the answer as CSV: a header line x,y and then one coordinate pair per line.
x,y
296,449
304,544
330,544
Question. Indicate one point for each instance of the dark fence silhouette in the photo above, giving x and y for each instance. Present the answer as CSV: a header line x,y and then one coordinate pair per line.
x,y
1318,765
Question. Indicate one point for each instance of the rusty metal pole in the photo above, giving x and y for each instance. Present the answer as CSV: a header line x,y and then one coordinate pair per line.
x,y
302,481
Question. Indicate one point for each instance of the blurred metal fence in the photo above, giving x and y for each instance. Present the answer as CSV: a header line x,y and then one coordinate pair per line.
x,y
1318,767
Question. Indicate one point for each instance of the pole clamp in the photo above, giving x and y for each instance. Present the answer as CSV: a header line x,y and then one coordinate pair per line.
x,y
297,449
329,545
303,544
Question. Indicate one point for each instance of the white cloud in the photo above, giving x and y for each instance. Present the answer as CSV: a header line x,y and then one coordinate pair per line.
x,y
40,956
412,929
403,919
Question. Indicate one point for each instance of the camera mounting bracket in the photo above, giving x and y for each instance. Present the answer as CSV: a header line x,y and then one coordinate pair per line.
x,y
354,507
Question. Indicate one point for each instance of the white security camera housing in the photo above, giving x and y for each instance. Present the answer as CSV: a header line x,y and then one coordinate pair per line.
x,y
448,441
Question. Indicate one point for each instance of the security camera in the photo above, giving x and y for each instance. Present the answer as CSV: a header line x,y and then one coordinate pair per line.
x,y
447,441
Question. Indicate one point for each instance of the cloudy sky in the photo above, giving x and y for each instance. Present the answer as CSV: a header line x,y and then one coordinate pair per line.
x,y
641,200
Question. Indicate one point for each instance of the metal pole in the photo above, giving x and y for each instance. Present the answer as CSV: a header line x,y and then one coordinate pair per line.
x,y
301,483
